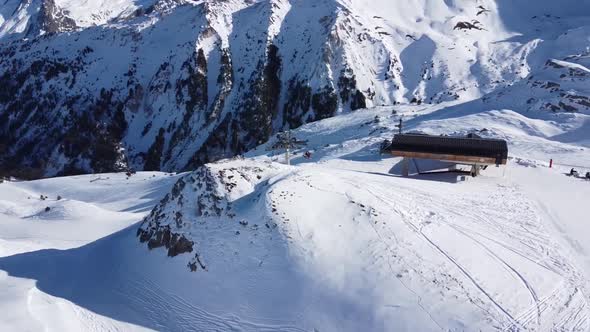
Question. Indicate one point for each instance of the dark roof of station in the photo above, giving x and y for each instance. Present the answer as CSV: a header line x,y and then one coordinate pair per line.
x,y
450,145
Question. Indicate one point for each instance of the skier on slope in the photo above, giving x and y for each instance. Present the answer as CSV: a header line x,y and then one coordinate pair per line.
x,y
573,172
587,175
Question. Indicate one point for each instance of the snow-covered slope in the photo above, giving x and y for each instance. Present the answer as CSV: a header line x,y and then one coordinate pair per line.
x,y
90,208
410,254
172,84
337,242
30,18
385,253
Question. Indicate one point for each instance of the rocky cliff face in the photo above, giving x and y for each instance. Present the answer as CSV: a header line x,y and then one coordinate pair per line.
x,y
173,84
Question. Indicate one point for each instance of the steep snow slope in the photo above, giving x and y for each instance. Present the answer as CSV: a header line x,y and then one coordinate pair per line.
x,y
97,12
163,84
91,207
30,18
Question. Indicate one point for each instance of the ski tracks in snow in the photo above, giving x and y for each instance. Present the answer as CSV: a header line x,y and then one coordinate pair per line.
x,y
186,316
507,230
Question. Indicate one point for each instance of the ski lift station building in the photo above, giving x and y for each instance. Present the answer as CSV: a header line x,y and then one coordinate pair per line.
x,y
471,150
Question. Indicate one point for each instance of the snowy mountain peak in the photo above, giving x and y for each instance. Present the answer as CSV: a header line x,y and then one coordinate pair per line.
x,y
163,84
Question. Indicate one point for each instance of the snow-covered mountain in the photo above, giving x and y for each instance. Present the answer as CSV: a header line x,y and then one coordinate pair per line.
x,y
335,242
91,86
387,253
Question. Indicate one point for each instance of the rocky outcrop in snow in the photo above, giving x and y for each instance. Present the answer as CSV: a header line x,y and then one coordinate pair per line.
x,y
210,195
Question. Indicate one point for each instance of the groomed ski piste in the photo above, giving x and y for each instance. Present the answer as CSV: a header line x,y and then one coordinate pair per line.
x,y
338,242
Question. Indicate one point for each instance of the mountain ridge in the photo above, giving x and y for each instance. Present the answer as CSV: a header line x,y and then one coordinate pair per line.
x,y
171,84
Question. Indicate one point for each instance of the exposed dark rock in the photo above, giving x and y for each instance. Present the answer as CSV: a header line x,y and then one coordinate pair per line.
x,y
349,93
154,154
567,108
297,105
176,244
358,101
179,245
225,82
218,145
324,103
192,91
473,25
53,19
261,106
195,263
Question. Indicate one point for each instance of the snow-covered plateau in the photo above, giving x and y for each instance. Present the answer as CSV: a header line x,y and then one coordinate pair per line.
x,y
215,232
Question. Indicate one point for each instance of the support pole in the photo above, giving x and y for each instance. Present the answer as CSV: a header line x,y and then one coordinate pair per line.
x,y
288,156
400,125
288,151
475,170
416,165
406,167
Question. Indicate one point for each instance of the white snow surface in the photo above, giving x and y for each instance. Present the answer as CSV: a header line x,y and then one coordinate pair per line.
x,y
96,12
339,242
